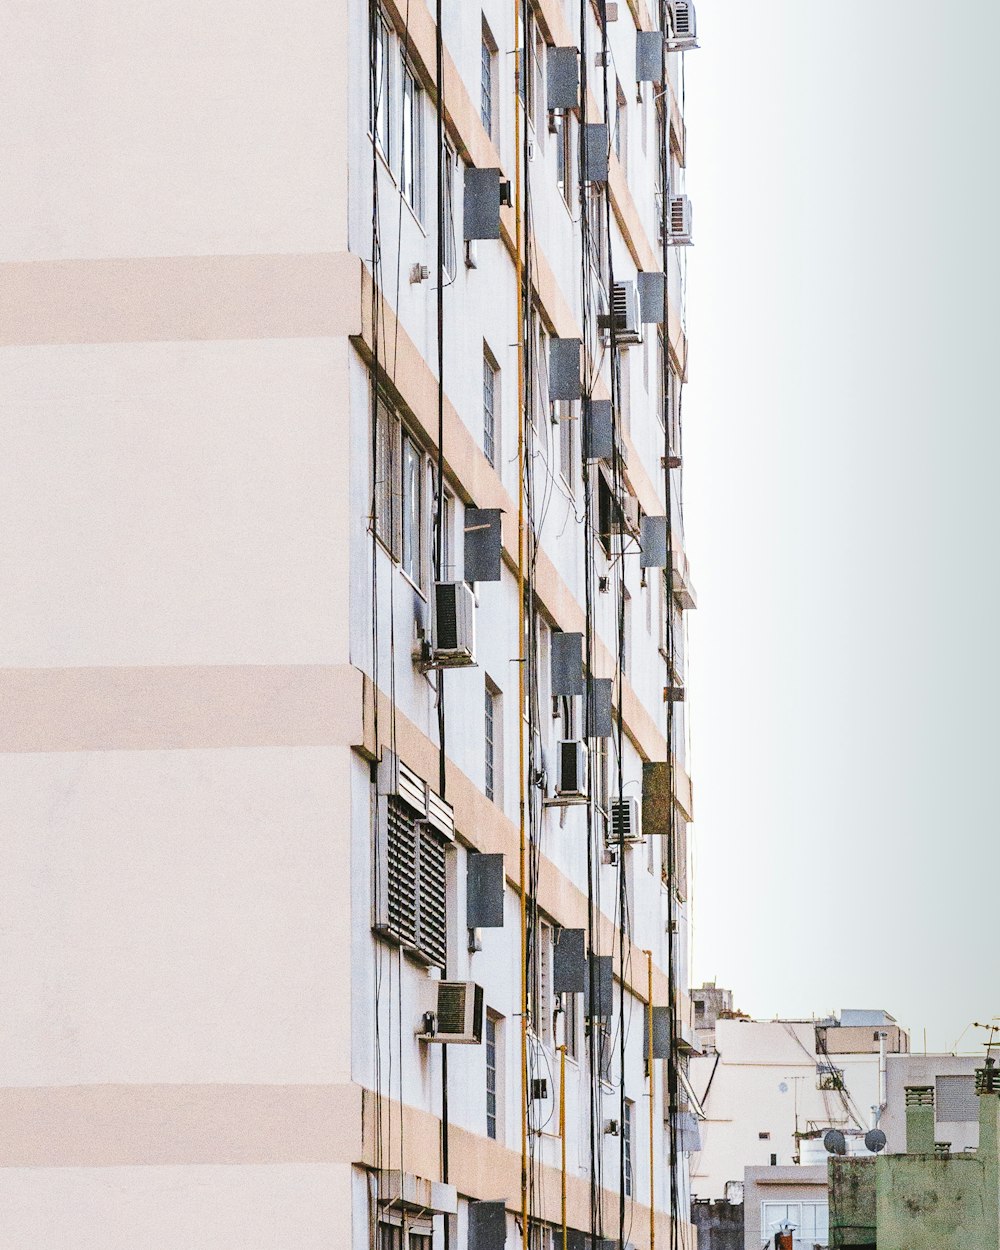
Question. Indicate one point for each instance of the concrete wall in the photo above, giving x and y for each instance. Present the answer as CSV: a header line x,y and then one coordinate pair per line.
x,y
925,1202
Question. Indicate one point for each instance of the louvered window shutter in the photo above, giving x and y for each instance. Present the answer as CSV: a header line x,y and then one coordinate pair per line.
x,y
398,901
432,898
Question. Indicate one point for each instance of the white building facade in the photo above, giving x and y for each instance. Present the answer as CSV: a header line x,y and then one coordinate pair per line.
x,y
770,1090
280,666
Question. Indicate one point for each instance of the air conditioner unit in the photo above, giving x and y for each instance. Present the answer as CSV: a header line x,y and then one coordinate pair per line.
x,y
626,821
680,221
454,635
571,774
624,316
683,26
456,1017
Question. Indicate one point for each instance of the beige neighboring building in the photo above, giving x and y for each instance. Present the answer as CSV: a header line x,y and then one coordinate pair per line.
x,y
237,854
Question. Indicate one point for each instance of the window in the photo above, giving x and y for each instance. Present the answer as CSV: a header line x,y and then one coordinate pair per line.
x,y
628,1108
599,764
493,739
490,386
605,1049
393,1236
570,1008
810,1221
540,982
390,1236
492,1038
399,515
564,155
412,512
564,419
450,255
386,518
380,101
411,881
621,127
411,137
487,76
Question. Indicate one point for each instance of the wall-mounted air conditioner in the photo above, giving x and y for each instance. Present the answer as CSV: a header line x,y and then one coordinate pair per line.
x,y
571,769
683,26
456,1014
626,821
454,628
624,316
680,221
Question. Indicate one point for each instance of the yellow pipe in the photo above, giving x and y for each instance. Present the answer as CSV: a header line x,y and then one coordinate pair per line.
x,y
652,1101
523,872
562,1136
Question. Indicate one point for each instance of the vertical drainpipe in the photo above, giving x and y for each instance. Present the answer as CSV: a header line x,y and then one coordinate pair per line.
x,y
881,1078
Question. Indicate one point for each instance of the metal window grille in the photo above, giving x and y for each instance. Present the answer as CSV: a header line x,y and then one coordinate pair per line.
x,y
489,409
390,1237
413,903
490,729
433,898
486,95
491,1077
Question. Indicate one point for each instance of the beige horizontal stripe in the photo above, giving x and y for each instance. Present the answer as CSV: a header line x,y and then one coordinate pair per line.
x,y
168,298
118,1125
483,1168
173,708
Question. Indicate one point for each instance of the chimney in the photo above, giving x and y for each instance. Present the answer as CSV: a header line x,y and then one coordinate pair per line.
x,y
919,1119
988,1088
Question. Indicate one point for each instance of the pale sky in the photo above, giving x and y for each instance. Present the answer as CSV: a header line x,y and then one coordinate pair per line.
x,y
842,453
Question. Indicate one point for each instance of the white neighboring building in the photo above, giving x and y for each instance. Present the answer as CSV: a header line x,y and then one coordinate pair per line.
x,y
223,522
770,1088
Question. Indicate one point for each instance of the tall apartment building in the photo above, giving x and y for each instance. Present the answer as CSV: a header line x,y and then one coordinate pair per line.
x,y
343,632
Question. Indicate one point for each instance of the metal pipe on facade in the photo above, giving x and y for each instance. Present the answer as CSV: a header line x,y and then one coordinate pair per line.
x,y
652,1100
521,657
562,1142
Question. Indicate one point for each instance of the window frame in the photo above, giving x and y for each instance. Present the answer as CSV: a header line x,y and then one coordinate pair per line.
x,y
491,388
411,138
487,81
493,743
493,1025
383,108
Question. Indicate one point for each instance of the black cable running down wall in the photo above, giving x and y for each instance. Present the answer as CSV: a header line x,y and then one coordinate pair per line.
x,y
439,510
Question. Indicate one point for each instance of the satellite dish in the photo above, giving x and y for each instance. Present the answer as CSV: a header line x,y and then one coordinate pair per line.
x,y
875,1140
835,1142
783,1088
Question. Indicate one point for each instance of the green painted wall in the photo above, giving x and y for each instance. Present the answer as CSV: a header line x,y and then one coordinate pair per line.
x,y
852,1200
933,1202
